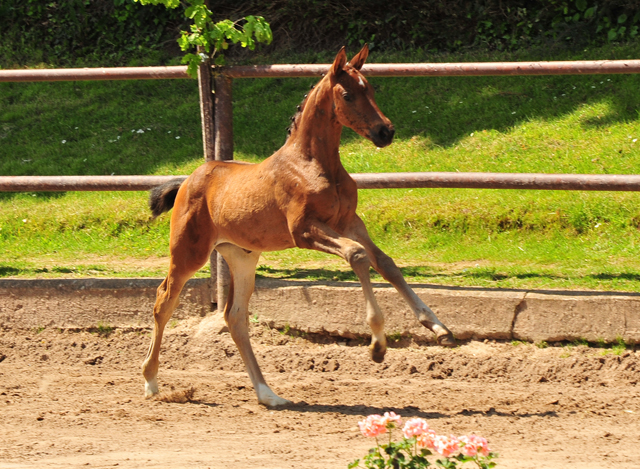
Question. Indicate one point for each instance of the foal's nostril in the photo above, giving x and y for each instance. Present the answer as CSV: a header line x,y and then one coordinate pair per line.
x,y
382,135
385,133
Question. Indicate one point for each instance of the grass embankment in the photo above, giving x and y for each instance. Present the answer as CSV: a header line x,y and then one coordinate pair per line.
x,y
491,238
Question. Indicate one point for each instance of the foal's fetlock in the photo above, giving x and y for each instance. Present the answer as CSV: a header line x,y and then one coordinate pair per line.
x,y
377,352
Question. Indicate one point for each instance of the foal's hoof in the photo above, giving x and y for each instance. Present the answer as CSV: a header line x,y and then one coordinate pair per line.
x,y
377,353
270,399
151,388
446,339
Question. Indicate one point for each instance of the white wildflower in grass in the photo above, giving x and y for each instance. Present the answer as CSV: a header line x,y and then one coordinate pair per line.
x,y
634,140
24,220
413,112
64,141
168,131
178,138
76,128
471,134
140,131
513,112
592,86
133,130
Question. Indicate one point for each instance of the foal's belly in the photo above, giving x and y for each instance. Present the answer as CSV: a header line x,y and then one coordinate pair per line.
x,y
256,231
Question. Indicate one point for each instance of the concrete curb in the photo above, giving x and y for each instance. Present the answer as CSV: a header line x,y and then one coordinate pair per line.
x,y
333,308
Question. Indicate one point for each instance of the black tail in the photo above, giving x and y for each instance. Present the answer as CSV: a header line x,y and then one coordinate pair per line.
x,y
162,198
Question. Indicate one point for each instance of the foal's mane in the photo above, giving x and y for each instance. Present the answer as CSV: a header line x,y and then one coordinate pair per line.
x,y
294,119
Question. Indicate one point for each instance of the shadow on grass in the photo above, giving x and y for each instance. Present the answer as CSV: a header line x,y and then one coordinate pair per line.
x,y
11,271
8,271
412,272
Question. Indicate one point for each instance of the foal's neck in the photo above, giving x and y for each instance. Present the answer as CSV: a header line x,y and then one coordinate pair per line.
x,y
315,131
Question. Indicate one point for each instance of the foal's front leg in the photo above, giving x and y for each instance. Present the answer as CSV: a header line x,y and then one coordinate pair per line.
x,y
385,266
321,237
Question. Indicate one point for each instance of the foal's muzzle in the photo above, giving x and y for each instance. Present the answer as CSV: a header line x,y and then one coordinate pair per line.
x,y
382,135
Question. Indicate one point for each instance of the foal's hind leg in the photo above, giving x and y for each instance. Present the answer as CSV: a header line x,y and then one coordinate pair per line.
x,y
186,259
242,266
166,302
384,265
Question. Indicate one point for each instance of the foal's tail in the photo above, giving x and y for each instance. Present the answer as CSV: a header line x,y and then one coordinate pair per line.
x,y
162,198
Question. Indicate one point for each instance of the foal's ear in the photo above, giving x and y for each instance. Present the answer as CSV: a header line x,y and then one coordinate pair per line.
x,y
358,60
340,61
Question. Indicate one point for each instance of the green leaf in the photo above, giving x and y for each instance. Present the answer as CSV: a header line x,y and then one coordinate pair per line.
x,y
355,463
612,34
192,61
622,18
590,12
581,4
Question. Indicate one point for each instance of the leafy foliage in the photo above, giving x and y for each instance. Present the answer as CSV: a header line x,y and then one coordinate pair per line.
x,y
213,38
83,32
116,32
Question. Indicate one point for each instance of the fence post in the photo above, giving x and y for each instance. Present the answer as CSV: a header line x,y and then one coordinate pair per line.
x,y
207,116
223,151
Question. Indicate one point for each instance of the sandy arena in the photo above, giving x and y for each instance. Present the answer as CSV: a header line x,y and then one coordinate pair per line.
x,y
74,398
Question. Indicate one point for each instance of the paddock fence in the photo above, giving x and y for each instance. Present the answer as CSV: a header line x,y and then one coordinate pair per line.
x,y
215,88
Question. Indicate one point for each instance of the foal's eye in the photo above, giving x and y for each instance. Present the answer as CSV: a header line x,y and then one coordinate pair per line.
x,y
346,96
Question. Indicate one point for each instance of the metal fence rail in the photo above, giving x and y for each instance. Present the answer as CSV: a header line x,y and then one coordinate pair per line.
x,y
536,181
583,67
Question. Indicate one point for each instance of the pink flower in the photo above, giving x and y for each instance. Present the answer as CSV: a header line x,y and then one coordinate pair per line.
x,y
427,439
473,445
446,445
467,447
414,427
420,429
376,425
373,426
391,418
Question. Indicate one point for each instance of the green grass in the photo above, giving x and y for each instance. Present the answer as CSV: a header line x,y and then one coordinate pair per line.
x,y
486,238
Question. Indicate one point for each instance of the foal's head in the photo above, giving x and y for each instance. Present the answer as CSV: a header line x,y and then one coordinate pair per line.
x,y
353,100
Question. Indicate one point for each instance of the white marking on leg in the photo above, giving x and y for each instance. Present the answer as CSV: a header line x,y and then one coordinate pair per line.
x,y
151,387
269,398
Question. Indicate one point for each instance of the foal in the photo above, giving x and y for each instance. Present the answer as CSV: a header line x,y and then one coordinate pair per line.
x,y
301,197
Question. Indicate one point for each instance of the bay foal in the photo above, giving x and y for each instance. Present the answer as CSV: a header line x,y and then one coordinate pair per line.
x,y
301,197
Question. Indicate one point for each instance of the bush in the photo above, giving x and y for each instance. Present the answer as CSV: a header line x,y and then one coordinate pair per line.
x,y
114,32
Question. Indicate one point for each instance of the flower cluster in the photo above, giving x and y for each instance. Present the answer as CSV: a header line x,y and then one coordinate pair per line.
x,y
420,441
376,425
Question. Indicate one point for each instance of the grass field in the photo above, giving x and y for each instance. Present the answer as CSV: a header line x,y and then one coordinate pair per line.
x,y
489,238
